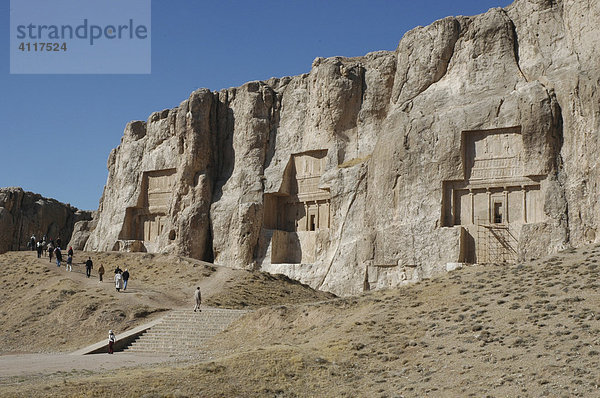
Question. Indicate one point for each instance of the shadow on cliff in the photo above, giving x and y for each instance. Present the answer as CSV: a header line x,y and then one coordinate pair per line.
x,y
224,151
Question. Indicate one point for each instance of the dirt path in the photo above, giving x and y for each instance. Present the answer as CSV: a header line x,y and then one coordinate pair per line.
x,y
21,365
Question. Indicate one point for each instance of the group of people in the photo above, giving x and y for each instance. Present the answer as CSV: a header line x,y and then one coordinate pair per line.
x,y
46,245
57,253
121,278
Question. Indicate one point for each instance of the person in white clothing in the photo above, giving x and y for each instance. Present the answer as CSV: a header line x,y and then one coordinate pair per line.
x,y
118,281
111,341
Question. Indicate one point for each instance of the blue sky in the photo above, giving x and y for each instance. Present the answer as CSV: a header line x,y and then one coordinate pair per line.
x,y
57,130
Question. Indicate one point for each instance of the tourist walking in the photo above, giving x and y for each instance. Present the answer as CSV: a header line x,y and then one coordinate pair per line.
x,y
69,262
100,272
88,267
111,341
58,255
50,251
40,249
118,281
198,298
125,278
70,259
32,242
118,270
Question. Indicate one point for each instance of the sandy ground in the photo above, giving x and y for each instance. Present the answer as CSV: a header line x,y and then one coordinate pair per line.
x,y
521,330
45,309
45,364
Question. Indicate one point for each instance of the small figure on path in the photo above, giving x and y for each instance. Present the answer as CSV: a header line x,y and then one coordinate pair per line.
x,y
58,255
118,270
50,251
69,262
100,272
40,249
111,341
198,298
32,242
125,278
88,267
70,259
118,281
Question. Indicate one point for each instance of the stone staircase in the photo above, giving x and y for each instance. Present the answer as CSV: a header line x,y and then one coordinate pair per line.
x,y
183,332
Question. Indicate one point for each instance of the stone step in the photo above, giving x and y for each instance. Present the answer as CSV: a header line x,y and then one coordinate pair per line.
x,y
192,327
164,346
182,332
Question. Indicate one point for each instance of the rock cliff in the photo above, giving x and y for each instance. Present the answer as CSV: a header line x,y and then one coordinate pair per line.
x,y
474,141
23,214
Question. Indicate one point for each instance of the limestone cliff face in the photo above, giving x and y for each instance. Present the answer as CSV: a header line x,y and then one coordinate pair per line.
x,y
474,141
23,214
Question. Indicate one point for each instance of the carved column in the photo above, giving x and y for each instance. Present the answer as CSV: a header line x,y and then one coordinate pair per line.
x,y
472,200
524,188
452,209
490,209
505,192
318,216
306,224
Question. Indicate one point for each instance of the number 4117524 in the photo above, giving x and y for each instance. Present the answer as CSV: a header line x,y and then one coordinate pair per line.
x,y
43,47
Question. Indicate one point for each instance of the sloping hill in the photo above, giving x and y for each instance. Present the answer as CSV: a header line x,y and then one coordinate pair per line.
x,y
44,308
523,330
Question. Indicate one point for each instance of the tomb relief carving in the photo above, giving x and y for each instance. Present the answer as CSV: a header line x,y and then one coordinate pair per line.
x,y
492,155
147,220
299,211
495,197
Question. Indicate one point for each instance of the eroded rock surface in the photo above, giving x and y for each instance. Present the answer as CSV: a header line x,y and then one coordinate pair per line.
x,y
476,140
24,214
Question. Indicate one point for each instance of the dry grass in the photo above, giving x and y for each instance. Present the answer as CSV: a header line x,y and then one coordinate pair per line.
x,y
44,308
522,330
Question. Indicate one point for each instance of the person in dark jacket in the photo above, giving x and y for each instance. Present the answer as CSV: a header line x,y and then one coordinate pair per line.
x,y
50,251
58,255
100,273
88,267
125,278
198,299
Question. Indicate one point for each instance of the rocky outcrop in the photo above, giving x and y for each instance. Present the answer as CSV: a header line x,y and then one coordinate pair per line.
x,y
23,214
473,141
82,231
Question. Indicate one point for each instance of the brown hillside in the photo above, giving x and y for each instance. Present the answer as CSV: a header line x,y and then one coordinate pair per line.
x,y
44,308
524,330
